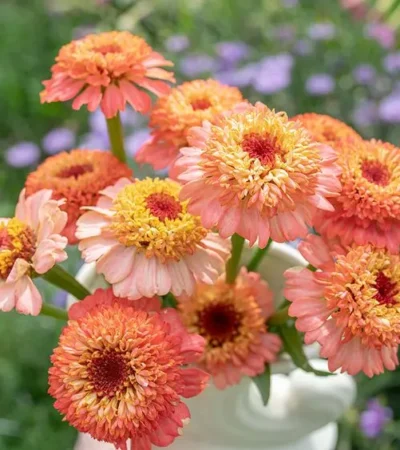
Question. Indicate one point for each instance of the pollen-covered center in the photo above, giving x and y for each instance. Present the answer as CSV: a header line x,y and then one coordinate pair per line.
x,y
261,147
386,290
75,171
17,240
200,103
375,172
149,216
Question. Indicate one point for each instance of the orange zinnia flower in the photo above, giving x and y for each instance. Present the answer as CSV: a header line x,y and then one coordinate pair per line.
x,y
77,176
186,106
105,69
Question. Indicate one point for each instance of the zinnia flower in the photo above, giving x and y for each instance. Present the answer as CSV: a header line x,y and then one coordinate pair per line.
x,y
326,129
231,318
29,242
118,371
257,174
77,176
186,106
368,208
350,306
106,69
146,243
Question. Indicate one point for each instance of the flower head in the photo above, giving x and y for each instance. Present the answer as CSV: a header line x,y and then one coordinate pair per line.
x,y
326,129
257,174
77,176
368,207
231,318
146,243
22,154
106,69
374,418
118,372
350,306
29,242
186,106
320,84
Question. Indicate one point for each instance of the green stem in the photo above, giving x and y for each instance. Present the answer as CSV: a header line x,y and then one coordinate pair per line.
x,y
169,301
64,280
312,268
232,266
116,137
257,257
53,311
280,317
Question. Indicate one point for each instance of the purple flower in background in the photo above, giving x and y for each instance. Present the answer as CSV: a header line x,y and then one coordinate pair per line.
x,y
320,84
58,140
374,419
197,64
94,141
365,113
303,47
382,33
275,73
177,43
232,52
135,140
391,63
389,108
364,74
239,77
98,124
60,299
323,31
22,154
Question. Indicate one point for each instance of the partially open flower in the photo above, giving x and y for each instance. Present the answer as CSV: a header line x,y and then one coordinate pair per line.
x,y
231,318
118,372
146,243
185,106
257,174
29,242
350,306
107,70
368,207
77,176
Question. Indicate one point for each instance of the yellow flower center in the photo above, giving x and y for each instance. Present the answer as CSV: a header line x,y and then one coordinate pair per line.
x,y
149,216
17,240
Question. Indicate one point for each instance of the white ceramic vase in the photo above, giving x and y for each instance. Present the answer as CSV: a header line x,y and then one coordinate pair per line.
x,y
302,410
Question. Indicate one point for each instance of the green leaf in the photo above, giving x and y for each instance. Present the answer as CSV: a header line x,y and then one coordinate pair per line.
x,y
293,344
263,383
392,8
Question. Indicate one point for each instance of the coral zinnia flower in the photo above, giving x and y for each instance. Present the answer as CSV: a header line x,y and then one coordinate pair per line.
x,y
368,208
186,106
146,243
29,242
105,69
351,306
326,129
118,371
77,176
232,319
257,174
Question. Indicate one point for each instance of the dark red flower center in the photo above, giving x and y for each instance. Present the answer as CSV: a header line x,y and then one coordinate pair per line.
x,y
108,372
219,322
163,206
75,171
5,239
200,103
263,148
109,48
387,290
375,172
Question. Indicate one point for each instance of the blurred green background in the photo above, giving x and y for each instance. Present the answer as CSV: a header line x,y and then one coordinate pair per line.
x,y
338,57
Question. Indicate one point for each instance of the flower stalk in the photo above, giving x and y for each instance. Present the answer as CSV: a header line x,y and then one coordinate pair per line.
x,y
257,257
116,136
53,311
232,266
64,280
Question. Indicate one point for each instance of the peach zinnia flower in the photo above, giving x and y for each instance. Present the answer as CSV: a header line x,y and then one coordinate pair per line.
x,y
106,69
146,243
186,106
327,129
29,242
118,371
257,174
368,208
77,176
350,306
232,319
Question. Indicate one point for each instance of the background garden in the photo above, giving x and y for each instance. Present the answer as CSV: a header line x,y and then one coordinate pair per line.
x,y
336,57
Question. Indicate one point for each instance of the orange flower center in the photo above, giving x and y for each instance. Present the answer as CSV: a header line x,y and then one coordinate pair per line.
x,y
75,171
375,172
107,48
260,147
200,103
163,206
387,290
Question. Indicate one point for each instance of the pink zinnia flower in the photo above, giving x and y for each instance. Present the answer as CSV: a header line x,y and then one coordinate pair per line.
x,y
30,242
350,305
106,69
120,370
257,174
232,318
146,243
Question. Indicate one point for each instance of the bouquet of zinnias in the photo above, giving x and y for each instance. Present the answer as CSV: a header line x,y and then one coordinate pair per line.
x,y
181,311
